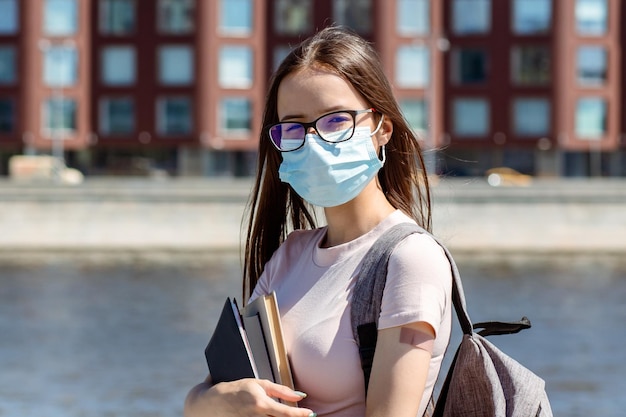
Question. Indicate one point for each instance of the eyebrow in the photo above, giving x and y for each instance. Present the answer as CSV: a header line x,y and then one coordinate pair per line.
x,y
325,111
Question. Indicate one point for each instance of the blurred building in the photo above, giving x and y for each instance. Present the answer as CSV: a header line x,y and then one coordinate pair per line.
x,y
133,86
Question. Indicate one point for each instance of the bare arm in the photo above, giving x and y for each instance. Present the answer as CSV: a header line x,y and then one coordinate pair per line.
x,y
399,371
246,397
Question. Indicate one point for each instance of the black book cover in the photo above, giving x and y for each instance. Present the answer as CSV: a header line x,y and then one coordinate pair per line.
x,y
226,353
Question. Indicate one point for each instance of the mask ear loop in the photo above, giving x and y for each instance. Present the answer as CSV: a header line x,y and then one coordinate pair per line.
x,y
379,125
382,148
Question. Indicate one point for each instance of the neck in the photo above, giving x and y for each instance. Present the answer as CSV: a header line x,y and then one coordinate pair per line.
x,y
357,217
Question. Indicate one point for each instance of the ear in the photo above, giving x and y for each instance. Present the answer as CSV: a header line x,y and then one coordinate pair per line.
x,y
384,133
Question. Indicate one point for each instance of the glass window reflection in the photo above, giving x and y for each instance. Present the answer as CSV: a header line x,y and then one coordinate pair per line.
x,y
235,67
176,65
7,115
415,112
293,17
119,67
531,16
530,65
60,17
9,18
412,66
591,17
59,115
176,17
590,118
471,16
531,116
470,117
117,17
174,116
117,116
235,115
591,65
355,14
60,66
8,65
413,17
236,17
469,66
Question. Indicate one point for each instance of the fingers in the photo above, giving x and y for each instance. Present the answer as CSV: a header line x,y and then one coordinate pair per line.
x,y
282,392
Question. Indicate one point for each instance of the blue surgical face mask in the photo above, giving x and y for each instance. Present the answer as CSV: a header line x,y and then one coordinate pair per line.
x,y
330,174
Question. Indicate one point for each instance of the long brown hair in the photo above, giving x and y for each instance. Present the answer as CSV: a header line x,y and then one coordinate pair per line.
x,y
274,208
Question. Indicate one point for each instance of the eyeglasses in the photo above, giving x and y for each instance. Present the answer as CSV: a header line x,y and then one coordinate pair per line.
x,y
334,127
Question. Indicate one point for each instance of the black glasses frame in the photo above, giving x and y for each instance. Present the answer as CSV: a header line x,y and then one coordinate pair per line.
x,y
313,124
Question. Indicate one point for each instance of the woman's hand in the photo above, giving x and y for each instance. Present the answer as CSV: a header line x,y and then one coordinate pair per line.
x,y
243,398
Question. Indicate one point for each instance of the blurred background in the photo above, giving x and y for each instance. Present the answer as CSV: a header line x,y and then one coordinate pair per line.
x,y
128,137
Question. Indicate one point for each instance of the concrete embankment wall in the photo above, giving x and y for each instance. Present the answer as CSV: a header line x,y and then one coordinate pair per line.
x,y
159,220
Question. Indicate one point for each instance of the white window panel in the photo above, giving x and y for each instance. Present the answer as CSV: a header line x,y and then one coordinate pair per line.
x,y
591,118
60,17
412,66
60,66
235,67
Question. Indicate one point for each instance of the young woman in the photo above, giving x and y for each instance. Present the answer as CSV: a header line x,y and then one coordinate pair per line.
x,y
334,137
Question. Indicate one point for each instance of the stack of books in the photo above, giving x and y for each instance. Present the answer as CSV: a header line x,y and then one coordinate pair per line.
x,y
249,343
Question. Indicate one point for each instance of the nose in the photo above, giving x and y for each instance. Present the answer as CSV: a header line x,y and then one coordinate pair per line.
x,y
310,130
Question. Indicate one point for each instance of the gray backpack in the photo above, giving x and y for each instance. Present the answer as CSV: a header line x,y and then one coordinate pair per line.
x,y
482,380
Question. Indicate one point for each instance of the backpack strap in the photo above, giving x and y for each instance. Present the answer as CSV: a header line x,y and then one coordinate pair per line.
x,y
368,292
367,298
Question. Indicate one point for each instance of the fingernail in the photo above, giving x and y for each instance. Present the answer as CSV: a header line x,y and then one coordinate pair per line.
x,y
301,394
313,415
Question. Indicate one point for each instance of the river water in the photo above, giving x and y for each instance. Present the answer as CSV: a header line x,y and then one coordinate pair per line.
x,y
81,340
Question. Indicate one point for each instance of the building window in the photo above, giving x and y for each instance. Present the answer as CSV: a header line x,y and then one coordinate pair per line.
x,y
590,118
235,116
591,66
415,112
469,66
531,116
293,17
117,116
235,67
236,17
355,14
174,116
412,66
60,66
591,17
470,117
176,16
59,116
8,65
176,65
530,65
119,65
413,17
471,16
60,17
9,20
532,17
117,17
7,115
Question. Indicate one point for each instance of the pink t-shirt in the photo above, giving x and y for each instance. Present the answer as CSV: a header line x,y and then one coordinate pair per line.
x,y
314,286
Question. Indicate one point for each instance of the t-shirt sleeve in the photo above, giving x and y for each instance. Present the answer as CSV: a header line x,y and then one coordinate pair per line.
x,y
419,284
